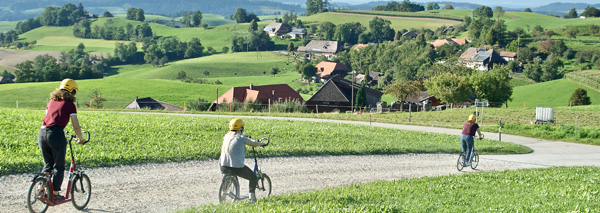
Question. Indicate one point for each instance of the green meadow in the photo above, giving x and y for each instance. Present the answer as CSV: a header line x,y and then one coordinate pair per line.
x,y
548,94
124,138
6,26
396,23
557,189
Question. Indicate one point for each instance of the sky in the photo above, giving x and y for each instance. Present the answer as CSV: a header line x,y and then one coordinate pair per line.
x,y
503,3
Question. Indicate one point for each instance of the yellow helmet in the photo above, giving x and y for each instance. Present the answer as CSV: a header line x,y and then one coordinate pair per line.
x,y
472,117
69,85
236,124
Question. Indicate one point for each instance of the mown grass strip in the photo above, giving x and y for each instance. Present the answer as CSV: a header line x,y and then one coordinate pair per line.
x,y
558,189
122,138
404,14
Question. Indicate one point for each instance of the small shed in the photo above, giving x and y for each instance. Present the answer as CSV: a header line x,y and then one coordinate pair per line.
x,y
152,104
544,115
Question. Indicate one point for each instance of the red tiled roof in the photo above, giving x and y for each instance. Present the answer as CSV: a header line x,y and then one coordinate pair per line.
x,y
262,93
325,68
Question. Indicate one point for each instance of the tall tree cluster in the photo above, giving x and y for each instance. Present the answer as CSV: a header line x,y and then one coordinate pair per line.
x,y
135,14
241,16
66,15
405,6
75,64
112,31
192,19
160,51
316,6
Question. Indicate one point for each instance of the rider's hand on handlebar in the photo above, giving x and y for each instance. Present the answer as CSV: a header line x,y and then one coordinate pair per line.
x,y
81,141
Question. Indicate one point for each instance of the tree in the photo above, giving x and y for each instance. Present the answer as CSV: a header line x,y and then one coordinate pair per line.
x,y
499,11
197,18
429,6
139,15
253,26
533,71
591,12
240,15
107,14
483,11
550,68
493,85
402,89
274,71
181,75
308,71
448,87
448,7
361,97
527,10
579,97
327,30
572,14
380,30
290,47
96,99
348,33
572,33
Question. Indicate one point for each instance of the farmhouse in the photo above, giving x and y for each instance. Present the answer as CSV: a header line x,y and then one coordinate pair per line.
x,y
152,104
410,34
319,48
297,33
374,78
337,95
326,70
452,41
480,58
264,94
277,29
508,56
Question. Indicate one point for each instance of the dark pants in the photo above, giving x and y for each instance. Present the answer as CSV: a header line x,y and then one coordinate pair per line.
x,y
468,143
245,173
53,144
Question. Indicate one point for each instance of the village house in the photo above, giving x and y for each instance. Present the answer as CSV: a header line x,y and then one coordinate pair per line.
x,y
410,34
319,48
277,29
326,70
297,33
152,104
262,95
508,56
337,94
374,78
480,58
452,41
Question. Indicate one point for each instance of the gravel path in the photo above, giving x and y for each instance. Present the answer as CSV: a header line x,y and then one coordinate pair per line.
x,y
169,186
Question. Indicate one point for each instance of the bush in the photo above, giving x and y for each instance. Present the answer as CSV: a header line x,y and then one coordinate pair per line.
x,y
199,105
579,97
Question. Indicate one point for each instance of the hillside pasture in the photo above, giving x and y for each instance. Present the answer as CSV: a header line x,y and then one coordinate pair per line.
x,y
548,94
10,58
397,23
6,26
240,64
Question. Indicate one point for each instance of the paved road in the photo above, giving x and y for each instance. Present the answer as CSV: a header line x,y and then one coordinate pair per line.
x,y
169,186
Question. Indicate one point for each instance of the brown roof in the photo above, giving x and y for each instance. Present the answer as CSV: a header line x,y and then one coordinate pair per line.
x,y
455,41
320,46
262,93
150,103
325,68
508,54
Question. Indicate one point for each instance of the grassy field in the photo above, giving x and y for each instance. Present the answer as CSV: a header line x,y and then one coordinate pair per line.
x,y
558,189
396,23
6,26
122,138
548,94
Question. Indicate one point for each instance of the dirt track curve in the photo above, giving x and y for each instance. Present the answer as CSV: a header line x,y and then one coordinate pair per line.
x,y
166,187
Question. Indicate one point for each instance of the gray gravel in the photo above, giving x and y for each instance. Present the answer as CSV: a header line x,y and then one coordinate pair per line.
x,y
169,186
